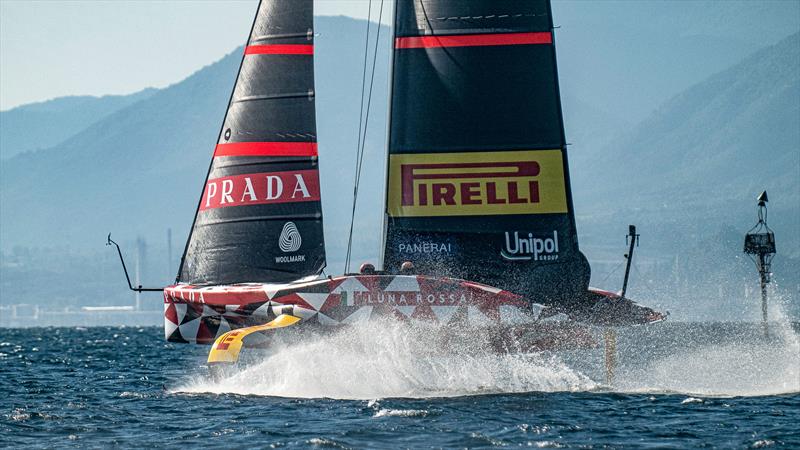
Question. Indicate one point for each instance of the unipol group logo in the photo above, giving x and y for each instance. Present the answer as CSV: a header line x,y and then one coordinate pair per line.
x,y
525,247
290,240
477,183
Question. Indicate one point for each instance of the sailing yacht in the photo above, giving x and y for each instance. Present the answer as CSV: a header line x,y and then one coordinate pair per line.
x,y
478,206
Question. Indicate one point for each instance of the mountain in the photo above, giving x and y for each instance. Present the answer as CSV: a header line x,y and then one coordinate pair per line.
x,y
715,145
629,57
46,124
688,176
118,171
140,170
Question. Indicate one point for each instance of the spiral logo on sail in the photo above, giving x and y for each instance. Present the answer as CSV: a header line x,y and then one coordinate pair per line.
x,y
290,239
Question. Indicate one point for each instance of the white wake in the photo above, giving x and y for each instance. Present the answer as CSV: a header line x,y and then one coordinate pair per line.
x,y
390,359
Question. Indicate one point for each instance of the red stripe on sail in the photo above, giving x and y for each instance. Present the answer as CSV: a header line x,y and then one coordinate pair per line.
x,y
266,149
280,49
261,189
474,40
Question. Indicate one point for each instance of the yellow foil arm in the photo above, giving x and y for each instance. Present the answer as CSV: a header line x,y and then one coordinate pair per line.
x,y
227,347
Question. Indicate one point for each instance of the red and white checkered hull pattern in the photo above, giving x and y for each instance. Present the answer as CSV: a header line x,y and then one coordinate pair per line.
x,y
201,314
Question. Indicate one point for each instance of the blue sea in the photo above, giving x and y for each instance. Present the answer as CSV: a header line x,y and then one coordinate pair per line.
x,y
677,385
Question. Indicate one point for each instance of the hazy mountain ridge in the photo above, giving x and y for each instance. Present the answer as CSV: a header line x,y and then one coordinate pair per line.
x,y
688,175
712,148
119,171
629,57
46,124
140,170
762,94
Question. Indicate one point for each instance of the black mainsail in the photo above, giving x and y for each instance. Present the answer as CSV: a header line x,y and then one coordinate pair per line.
x,y
260,217
478,182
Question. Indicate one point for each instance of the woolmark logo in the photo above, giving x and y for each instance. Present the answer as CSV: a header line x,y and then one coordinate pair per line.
x,y
290,239
525,248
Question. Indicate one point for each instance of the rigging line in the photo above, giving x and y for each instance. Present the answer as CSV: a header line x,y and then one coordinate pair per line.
x,y
612,272
369,100
636,269
369,103
363,138
358,137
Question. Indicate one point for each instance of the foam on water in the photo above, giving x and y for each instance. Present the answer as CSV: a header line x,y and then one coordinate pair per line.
x,y
401,413
744,363
391,359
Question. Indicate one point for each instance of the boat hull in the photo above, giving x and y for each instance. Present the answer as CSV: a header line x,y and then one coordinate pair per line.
x,y
201,314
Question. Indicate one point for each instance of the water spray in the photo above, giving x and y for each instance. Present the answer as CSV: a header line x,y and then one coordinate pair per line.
x,y
759,244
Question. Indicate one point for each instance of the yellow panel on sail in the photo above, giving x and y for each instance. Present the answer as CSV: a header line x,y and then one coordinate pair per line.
x,y
227,347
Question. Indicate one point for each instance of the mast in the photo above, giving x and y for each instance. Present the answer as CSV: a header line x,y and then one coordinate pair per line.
x,y
259,218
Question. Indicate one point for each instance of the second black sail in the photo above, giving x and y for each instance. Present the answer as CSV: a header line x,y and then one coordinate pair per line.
x,y
478,183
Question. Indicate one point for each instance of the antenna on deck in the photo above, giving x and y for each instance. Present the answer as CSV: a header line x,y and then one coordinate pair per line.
x,y
759,244
631,239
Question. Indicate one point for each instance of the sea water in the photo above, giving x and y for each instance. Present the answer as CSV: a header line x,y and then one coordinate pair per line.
x,y
388,385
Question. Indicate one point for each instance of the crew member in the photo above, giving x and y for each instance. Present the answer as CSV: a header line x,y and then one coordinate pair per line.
x,y
366,269
407,268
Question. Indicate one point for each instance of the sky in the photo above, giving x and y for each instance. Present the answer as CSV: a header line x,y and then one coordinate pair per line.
x,y
53,48
119,47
